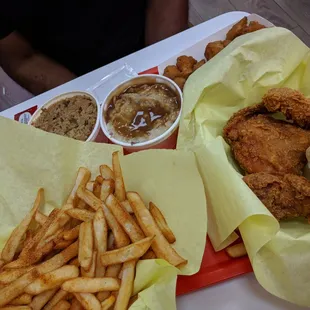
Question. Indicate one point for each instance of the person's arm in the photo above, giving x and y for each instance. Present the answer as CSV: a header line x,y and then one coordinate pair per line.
x,y
165,18
32,70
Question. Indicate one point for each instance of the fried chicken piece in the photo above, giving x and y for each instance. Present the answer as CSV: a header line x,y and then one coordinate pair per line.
x,y
199,64
262,144
285,196
213,48
186,65
253,26
183,69
237,29
172,72
292,103
180,81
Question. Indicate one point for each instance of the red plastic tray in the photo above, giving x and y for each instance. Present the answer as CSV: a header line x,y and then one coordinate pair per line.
x,y
216,266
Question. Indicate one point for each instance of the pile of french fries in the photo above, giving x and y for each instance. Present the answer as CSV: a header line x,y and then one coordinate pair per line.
x,y
84,255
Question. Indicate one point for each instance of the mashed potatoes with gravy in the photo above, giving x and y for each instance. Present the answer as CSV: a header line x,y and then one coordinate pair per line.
x,y
142,112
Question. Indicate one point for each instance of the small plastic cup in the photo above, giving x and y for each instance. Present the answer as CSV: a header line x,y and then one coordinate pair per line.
x,y
166,140
96,131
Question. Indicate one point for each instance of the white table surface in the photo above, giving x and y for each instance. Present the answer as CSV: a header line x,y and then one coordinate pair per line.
x,y
244,292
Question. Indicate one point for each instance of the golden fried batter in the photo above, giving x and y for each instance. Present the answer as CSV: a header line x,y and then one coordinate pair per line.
x,y
186,65
180,81
213,48
285,196
292,103
253,26
263,144
172,72
199,64
237,30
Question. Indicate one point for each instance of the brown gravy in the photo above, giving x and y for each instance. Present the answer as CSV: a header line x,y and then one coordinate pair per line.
x,y
142,112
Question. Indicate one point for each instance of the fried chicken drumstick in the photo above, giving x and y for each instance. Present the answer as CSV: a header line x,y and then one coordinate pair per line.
x,y
285,196
261,143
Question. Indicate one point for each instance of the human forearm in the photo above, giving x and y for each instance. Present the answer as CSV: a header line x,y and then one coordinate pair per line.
x,y
165,18
32,70
37,73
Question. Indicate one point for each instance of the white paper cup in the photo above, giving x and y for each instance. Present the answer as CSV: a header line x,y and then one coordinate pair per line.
x,y
166,140
94,133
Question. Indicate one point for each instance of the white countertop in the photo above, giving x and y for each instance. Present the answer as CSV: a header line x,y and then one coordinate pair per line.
x,y
242,293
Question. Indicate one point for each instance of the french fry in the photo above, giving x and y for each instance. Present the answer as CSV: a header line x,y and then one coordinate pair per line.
x,y
16,308
100,236
108,303
120,191
101,296
106,172
88,301
89,198
74,262
81,214
99,179
62,305
56,236
27,260
60,221
124,218
111,242
121,238
126,205
16,236
149,255
75,305
132,300
74,222
90,186
29,248
126,288
107,188
92,270
97,189
2,263
40,300
31,257
160,245
112,271
86,246
29,236
59,296
161,223
17,287
9,276
72,234
40,218
127,253
44,250
237,250
82,178
59,260
81,205
91,285
53,279
23,299
62,244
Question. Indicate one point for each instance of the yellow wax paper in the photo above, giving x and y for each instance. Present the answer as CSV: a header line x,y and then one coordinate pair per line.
x,y
31,158
236,78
